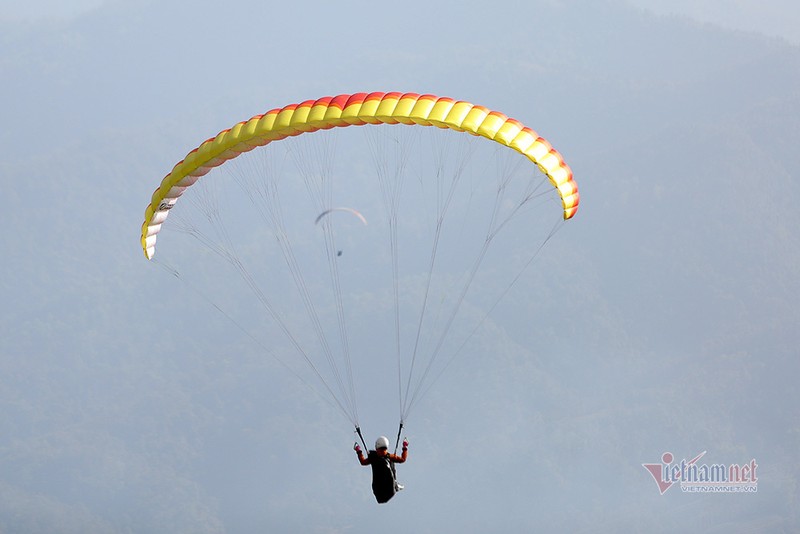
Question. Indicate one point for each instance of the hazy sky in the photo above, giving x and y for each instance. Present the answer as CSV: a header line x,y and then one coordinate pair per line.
x,y
778,18
661,319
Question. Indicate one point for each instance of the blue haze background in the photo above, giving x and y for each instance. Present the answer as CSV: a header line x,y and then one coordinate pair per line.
x,y
666,313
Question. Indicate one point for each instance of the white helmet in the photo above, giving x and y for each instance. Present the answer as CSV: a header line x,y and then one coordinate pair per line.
x,y
382,443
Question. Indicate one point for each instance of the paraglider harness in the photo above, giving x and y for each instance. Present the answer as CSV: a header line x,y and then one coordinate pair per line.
x,y
384,475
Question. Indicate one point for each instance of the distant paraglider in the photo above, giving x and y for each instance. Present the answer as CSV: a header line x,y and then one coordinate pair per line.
x,y
347,210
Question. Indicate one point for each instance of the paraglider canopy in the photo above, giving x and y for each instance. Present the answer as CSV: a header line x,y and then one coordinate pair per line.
x,y
347,210
356,109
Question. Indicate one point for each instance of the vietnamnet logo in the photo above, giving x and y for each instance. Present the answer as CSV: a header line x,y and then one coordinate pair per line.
x,y
703,478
